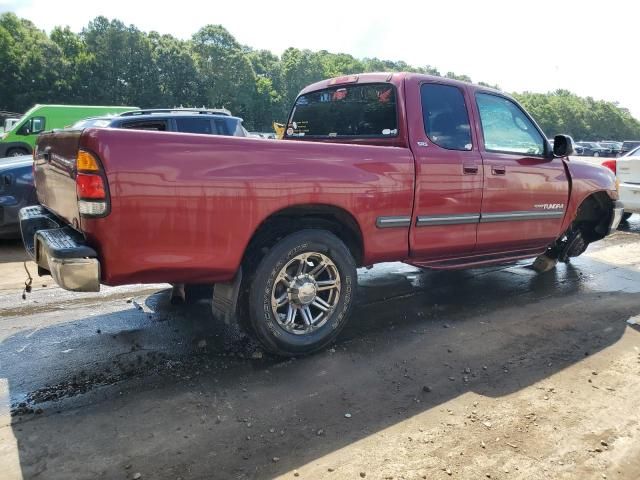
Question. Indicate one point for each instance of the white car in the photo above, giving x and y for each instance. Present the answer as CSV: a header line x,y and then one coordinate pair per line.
x,y
627,169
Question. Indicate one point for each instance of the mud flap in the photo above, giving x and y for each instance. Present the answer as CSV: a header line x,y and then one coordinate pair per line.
x,y
225,299
178,296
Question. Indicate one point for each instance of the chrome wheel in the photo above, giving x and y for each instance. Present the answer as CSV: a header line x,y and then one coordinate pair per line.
x,y
305,293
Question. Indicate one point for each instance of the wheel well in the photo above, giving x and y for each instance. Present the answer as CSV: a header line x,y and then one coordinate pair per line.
x,y
18,146
13,149
594,215
292,219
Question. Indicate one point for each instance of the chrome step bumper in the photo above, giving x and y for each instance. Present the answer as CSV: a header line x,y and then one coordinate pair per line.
x,y
59,250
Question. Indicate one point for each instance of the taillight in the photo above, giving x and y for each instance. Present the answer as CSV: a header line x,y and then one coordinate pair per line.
x,y
611,165
90,186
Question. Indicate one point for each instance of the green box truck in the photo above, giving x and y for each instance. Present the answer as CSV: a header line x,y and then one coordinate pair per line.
x,y
21,139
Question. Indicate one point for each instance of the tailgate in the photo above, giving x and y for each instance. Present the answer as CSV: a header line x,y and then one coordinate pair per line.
x,y
55,173
628,169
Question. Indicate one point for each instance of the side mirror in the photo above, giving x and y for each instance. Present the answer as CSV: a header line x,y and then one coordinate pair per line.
x,y
563,146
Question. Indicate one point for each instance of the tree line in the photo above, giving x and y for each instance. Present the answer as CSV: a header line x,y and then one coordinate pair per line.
x,y
110,63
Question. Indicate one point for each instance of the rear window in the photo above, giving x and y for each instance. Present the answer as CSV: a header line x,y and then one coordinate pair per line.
x,y
345,111
194,125
633,152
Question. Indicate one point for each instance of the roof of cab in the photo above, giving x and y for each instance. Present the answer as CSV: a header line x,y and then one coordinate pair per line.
x,y
390,77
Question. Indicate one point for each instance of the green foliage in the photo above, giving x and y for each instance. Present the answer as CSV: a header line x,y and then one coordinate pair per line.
x,y
113,64
31,64
582,118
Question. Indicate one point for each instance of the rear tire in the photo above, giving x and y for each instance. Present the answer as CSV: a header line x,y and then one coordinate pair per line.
x,y
16,152
301,294
596,154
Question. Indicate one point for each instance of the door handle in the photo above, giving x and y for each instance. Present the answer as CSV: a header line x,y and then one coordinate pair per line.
x,y
470,169
498,170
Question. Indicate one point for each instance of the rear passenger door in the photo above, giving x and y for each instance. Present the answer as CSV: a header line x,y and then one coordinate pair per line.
x,y
525,189
448,190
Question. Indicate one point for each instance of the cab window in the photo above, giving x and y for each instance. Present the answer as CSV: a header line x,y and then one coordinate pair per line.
x,y
345,111
506,128
446,120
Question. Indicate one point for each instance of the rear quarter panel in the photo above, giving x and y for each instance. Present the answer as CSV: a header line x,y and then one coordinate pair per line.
x,y
185,206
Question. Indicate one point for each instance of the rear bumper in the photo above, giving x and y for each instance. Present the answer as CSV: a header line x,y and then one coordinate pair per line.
x,y
59,250
616,216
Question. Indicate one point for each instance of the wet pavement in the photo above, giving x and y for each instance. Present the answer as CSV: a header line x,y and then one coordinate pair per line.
x,y
122,383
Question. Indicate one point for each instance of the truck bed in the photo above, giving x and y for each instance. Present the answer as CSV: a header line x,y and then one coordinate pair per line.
x,y
186,205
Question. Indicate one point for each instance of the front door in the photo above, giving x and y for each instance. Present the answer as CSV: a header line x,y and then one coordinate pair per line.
x,y
525,189
448,174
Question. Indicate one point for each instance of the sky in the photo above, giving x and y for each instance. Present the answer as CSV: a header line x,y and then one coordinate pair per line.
x,y
588,47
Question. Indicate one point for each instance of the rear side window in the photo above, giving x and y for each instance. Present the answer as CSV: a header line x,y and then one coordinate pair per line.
x,y
194,125
506,128
446,121
157,125
345,111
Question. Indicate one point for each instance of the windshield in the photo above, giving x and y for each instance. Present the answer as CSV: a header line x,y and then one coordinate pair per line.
x,y
9,123
352,111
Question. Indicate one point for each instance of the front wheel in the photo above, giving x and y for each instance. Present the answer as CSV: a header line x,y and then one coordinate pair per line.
x,y
596,154
16,152
301,294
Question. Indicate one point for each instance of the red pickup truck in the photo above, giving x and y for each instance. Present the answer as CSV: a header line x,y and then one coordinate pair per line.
x,y
372,168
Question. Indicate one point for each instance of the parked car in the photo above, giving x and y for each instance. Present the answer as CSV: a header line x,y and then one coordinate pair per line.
x,y
372,168
629,145
627,169
593,149
16,192
204,121
16,181
22,137
615,147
